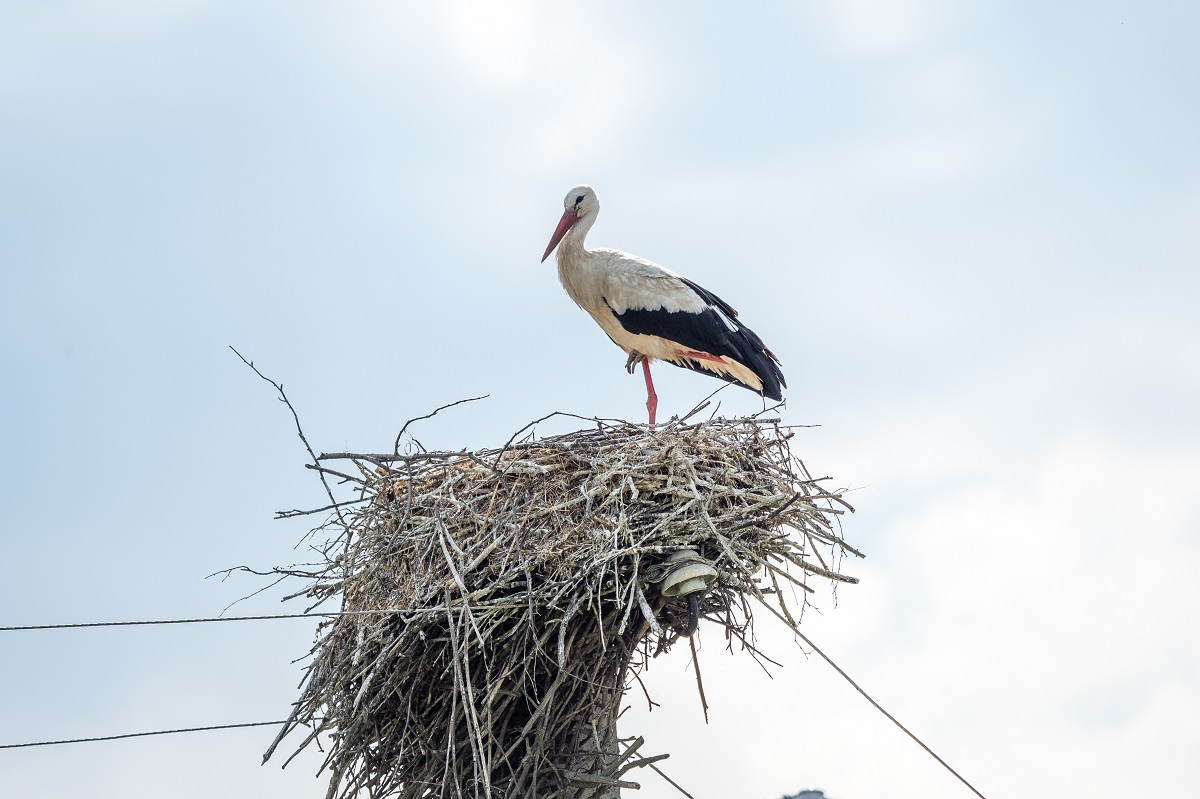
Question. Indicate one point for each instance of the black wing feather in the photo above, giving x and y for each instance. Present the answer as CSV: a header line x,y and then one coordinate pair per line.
x,y
707,332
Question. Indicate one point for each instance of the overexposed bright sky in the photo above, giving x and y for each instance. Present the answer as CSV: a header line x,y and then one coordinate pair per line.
x,y
971,231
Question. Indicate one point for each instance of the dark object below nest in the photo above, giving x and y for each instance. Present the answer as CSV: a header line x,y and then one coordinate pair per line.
x,y
501,600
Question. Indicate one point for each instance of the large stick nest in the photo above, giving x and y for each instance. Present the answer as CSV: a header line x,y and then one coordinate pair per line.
x,y
497,603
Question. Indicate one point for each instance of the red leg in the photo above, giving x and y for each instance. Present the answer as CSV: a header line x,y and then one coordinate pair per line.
x,y
651,397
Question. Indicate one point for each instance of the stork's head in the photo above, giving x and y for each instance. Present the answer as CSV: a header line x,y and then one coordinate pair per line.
x,y
580,202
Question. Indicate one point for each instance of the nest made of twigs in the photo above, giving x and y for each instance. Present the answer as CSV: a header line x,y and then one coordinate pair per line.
x,y
496,603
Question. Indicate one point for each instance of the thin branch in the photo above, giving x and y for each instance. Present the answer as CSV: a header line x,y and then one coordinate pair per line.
x,y
699,679
430,415
294,512
300,432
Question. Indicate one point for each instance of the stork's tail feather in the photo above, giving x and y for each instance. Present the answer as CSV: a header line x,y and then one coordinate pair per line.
x,y
765,369
749,348
773,382
760,360
766,366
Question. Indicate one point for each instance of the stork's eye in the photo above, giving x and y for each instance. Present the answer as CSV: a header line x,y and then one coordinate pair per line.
x,y
579,199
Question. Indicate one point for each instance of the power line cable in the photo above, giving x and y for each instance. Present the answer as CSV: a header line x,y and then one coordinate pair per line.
x,y
141,734
81,625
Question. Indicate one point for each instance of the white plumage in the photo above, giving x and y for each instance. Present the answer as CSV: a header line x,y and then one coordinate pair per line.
x,y
655,314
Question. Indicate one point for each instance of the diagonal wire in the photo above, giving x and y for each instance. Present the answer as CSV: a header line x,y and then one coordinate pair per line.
x,y
889,716
80,625
140,734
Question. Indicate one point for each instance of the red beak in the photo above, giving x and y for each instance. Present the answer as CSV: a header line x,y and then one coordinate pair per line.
x,y
568,218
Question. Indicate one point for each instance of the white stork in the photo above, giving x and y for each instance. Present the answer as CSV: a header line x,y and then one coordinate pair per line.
x,y
653,313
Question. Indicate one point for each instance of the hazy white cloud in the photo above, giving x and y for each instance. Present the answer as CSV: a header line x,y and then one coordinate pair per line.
x,y
879,28
1047,598
953,124
36,37
595,111
1031,625
1026,605
575,85
926,158
939,82
496,43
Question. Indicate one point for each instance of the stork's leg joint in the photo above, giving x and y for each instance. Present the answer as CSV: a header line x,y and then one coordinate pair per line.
x,y
635,358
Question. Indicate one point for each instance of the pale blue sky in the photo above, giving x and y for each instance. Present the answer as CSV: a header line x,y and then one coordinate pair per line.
x,y
970,230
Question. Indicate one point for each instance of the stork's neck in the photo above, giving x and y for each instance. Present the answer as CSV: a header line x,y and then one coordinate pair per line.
x,y
572,244
576,269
